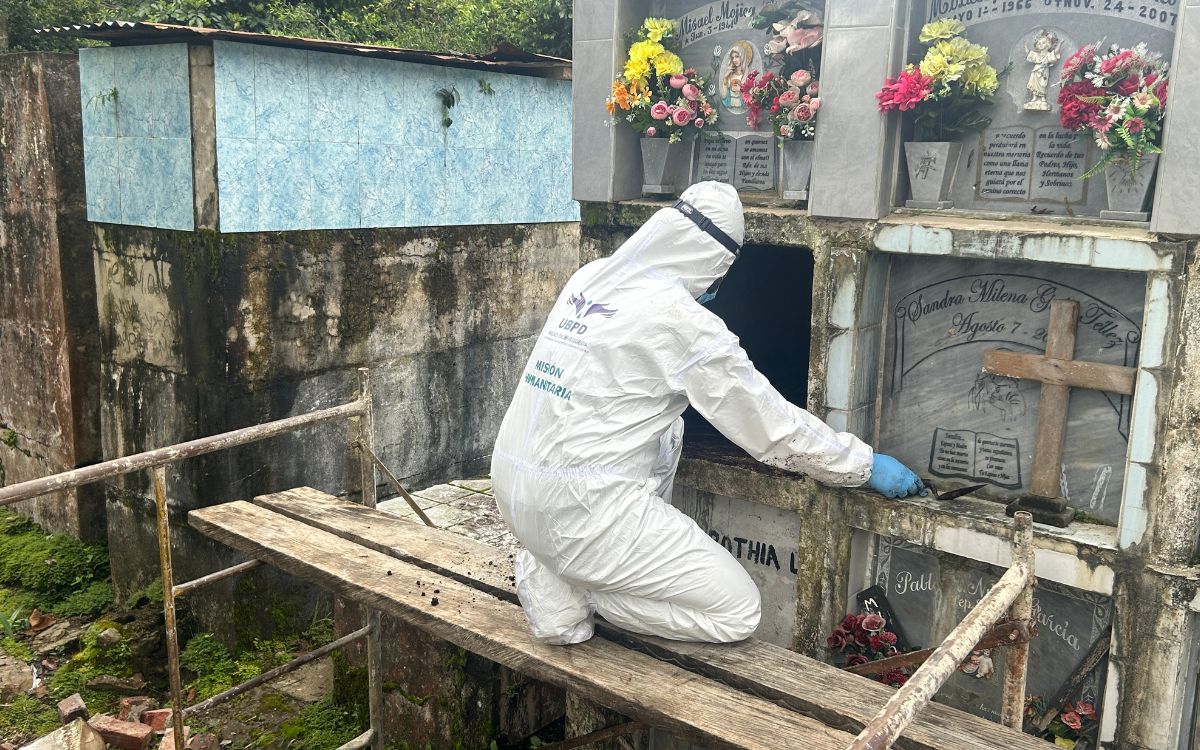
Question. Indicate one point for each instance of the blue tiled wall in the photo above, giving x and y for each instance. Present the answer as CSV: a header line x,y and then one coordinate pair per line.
x,y
137,130
316,140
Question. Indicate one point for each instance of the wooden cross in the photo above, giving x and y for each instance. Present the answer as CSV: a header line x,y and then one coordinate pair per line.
x,y
1058,372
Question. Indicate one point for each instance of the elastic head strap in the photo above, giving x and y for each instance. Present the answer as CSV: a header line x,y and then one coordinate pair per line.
x,y
707,226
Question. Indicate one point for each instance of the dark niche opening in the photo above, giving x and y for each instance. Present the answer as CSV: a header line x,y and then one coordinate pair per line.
x,y
766,300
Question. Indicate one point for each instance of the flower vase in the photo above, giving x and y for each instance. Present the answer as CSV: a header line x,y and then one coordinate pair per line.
x,y
931,168
797,167
1127,192
662,161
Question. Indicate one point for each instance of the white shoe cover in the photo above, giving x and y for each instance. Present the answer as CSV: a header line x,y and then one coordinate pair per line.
x,y
558,613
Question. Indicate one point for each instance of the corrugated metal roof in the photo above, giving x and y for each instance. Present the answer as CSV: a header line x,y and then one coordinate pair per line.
x,y
504,59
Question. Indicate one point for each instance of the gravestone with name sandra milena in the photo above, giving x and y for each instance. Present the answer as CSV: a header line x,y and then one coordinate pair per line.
x,y
955,425
1026,159
718,41
931,592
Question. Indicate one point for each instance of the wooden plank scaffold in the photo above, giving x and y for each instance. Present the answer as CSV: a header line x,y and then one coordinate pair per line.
x,y
699,691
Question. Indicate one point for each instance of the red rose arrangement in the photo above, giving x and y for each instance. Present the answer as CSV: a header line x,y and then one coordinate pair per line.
x,y
861,639
1119,98
1072,723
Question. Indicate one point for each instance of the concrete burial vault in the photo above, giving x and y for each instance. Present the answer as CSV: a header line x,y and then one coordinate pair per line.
x,y
878,318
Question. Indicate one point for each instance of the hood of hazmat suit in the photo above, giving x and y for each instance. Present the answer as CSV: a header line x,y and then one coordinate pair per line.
x,y
583,463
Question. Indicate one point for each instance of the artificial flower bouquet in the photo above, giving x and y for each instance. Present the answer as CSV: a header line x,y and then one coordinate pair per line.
x,y
1119,98
945,91
655,95
1074,722
861,639
797,34
790,103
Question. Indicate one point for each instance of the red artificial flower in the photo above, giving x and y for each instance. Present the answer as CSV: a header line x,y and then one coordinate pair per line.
x,y
862,637
1135,125
896,677
1123,60
853,660
873,622
1161,92
1085,709
1071,719
1128,85
1075,113
1082,58
850,622
905,91
889,638
836,641
876,643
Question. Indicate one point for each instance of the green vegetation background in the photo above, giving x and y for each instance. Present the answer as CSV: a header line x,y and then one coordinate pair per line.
x,y
443,25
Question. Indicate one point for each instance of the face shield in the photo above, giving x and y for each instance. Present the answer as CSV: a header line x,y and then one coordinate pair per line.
x,y
707,226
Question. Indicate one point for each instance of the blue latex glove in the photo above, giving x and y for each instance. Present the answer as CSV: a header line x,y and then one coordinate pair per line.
x,y
891,478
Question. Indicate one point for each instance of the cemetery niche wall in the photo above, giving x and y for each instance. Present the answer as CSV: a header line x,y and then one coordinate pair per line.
x,y
930,592
1026,161
958,425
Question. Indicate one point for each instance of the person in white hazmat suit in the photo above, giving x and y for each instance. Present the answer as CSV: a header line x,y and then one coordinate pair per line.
x,y
587,452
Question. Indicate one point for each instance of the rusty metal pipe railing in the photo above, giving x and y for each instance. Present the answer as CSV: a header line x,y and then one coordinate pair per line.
x,y
159,477
15,493
220,575
392,480
279,671
1012,705
899,712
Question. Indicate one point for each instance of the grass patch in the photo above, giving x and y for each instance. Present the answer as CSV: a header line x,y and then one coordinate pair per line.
x,y
16,649
53,572
26,718
318,726
216,669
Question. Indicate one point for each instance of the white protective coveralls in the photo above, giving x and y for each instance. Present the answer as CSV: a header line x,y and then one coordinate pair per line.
x,y
584,460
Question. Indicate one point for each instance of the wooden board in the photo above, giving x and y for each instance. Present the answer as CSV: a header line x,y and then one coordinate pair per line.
x,y
798,682
1073,373
629,682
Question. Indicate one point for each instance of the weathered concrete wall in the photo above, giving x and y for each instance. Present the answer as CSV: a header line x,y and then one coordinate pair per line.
x,y
205,333
49,378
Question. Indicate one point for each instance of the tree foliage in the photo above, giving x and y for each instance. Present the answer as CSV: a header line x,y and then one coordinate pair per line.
x,y
456,25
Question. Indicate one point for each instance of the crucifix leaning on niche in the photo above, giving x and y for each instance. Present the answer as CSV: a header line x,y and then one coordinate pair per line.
x,y
1058,372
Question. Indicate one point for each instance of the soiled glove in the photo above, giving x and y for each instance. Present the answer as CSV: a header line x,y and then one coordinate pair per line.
x,y
891,478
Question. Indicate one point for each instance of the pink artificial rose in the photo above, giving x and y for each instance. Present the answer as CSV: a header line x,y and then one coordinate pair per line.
x,y
690,92
660,111
1071,719
804,113
785,131
873,622
789,99
682,116
651,132
814,104
814,88
699,122
801,78
1085,709
678,81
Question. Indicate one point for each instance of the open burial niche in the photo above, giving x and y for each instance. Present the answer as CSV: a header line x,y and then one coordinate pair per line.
x,y
766,300
957,425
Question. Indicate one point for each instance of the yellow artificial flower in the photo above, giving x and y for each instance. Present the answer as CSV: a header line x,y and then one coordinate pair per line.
x,y
959,50
941,69
981,79
657,28
645,50
636,69
668,64
1064,742
943,29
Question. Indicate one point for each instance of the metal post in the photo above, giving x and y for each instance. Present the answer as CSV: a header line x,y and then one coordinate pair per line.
x,y
366,429
1012,707
159,476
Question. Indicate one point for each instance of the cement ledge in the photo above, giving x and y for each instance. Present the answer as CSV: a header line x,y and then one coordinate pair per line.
x,y
1078,242
1084,556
